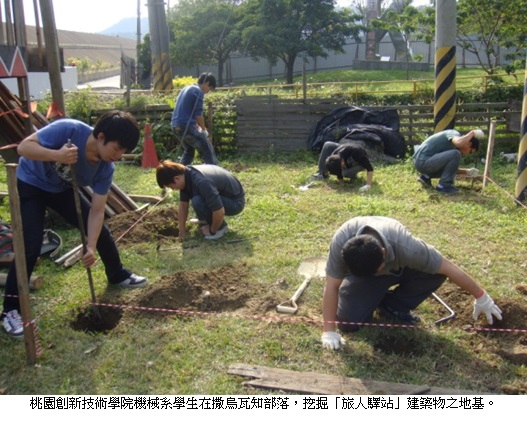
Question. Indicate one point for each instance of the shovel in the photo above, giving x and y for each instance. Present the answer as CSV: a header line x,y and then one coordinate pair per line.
x,y
76,196
309,268
451,315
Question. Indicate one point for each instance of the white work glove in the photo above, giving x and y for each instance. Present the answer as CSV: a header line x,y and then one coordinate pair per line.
x,y
472,172
365,188
219,233
332,340
205,132
479,134
487,306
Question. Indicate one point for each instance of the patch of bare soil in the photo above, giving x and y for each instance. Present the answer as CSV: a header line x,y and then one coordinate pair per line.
x,y
96,319
218,290
134,227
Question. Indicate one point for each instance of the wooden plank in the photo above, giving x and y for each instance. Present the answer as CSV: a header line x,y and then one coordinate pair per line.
x,y
64,257
146,198
319,383
130,157
124,198
74,258
116,203
35,282
86,193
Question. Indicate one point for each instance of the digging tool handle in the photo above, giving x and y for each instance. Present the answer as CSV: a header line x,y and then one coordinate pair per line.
x,y
301,289
76,196
448,308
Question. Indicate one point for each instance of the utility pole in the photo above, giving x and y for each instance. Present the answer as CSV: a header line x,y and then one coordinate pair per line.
x,y
138,48
521,183
445,65
161,68
52,52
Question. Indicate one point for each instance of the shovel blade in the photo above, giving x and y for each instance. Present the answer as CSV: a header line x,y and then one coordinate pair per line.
x,y
288,307
314,267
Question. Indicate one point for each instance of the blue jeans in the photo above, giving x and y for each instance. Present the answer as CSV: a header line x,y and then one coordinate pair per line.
x,y
442,165
359,296
195,140
231,206
33,203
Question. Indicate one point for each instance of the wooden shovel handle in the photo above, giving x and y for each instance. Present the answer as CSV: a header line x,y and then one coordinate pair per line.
x,y
301,289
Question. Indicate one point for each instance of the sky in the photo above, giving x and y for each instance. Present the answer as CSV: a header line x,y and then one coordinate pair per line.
x,y
89,16
92,16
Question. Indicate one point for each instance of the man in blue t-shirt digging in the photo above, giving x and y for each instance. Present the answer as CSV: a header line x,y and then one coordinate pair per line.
x,y
44,180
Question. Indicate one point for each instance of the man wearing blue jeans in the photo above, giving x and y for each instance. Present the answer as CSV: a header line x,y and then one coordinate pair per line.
x,y
368,257
439,157
44,180
213,191
188,123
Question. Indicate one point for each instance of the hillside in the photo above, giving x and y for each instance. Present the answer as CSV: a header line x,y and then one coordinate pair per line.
x,y
89,45
127,28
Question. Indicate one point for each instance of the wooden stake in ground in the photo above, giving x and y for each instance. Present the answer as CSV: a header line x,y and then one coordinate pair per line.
x,y
21,270
490,151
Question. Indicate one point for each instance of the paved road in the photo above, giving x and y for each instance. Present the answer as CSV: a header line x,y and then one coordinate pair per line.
x,y
108,83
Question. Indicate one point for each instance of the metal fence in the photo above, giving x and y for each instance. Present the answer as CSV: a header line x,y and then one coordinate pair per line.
x,y
242,67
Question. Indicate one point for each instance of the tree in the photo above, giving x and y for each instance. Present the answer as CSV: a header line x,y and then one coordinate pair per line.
x,y
399,20
407,23
287,29
145,59
370,10
484,26
205,32
426,27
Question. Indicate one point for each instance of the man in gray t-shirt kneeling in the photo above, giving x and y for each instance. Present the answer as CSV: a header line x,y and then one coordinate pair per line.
x,y
367,257
213,191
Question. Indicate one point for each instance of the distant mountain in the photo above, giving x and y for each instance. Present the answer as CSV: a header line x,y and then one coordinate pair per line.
x,y
127,28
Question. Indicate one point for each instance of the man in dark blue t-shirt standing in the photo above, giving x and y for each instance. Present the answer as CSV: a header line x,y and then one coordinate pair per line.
x,y
188,122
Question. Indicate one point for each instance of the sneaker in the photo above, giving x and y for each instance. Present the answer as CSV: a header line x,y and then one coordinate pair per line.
x,y
425,180
219,233
405,317
320,176
447,189
133,281
13,324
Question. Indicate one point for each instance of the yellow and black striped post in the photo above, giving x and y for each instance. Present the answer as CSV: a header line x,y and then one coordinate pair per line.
x,y
445,89
161,72
521,182
445,63
161,68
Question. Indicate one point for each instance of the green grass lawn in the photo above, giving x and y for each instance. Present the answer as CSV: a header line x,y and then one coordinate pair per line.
x,y
483,230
